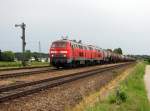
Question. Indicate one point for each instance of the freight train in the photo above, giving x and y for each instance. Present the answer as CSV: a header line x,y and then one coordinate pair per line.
x,y
70,53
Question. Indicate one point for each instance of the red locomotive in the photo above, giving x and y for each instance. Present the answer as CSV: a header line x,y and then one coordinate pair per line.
x,y
69,53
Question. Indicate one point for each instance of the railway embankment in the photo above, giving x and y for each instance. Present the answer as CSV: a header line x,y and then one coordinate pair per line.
x,y
127,93
64,96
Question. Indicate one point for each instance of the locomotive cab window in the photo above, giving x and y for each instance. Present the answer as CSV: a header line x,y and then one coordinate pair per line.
x,y
59,44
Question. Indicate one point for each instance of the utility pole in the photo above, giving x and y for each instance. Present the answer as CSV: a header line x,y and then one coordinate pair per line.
x,y
22,26
40,50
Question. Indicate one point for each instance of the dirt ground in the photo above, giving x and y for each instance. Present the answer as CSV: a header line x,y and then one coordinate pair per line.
x,y
61,97
147,80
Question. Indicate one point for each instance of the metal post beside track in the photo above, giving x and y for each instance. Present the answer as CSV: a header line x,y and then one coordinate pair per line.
x,y
23,41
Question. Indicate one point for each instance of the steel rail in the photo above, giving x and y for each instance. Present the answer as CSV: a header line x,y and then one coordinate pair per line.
x,y
25,73
20,68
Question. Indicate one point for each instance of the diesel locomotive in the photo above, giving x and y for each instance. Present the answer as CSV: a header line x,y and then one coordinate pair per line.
x,y
70,53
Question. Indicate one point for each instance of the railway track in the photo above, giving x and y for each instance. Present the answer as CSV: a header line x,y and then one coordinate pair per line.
x,y
27,71
20,68
24,72
19,90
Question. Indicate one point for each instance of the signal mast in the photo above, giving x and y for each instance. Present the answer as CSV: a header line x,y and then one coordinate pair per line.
x,y
22,26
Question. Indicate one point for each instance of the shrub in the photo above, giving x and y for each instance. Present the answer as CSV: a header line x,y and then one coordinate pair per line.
x,y
7,56
148,60
121,96
118,97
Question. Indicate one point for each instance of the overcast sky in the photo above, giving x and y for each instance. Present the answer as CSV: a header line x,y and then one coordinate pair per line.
x,y
106,23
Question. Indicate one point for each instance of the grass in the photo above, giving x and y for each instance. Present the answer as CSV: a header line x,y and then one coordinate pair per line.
x,y
39,63
7,65
10,64
130,96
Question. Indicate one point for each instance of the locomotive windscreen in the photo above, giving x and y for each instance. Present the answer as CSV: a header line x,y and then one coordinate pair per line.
x,y
59,44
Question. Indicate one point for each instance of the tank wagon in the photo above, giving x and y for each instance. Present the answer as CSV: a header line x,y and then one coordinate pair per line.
x,y
69,53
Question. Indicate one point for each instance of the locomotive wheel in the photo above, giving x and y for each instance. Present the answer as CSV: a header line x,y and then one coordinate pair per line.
x,y
74,64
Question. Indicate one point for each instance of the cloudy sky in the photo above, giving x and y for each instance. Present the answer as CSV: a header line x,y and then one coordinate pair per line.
x,y
106,23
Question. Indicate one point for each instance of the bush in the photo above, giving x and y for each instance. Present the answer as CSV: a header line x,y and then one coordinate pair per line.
x,y
7,56
119,97
148,60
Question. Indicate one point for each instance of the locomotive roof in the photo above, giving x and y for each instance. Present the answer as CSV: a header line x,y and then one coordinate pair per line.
x,y
92,46
75,42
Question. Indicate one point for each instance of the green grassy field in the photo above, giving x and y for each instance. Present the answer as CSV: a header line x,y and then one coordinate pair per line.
x,y
130,96
10,64
5,65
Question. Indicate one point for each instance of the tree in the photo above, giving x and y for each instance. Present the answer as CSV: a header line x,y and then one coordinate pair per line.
x,y
18,55
7,56
118,51
35,55
27,55
148,60
109,50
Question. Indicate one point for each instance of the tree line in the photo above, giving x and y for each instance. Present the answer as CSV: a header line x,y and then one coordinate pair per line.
x,y
11,56
117,50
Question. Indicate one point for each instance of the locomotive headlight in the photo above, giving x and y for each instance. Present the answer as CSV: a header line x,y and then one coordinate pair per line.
x,y
64,55
53,52
65,52
52,55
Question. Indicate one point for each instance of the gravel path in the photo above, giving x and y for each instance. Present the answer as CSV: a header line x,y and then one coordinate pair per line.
x,y
147,80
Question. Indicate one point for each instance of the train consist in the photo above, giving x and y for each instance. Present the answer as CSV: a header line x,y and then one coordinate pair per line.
x,y
69,53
